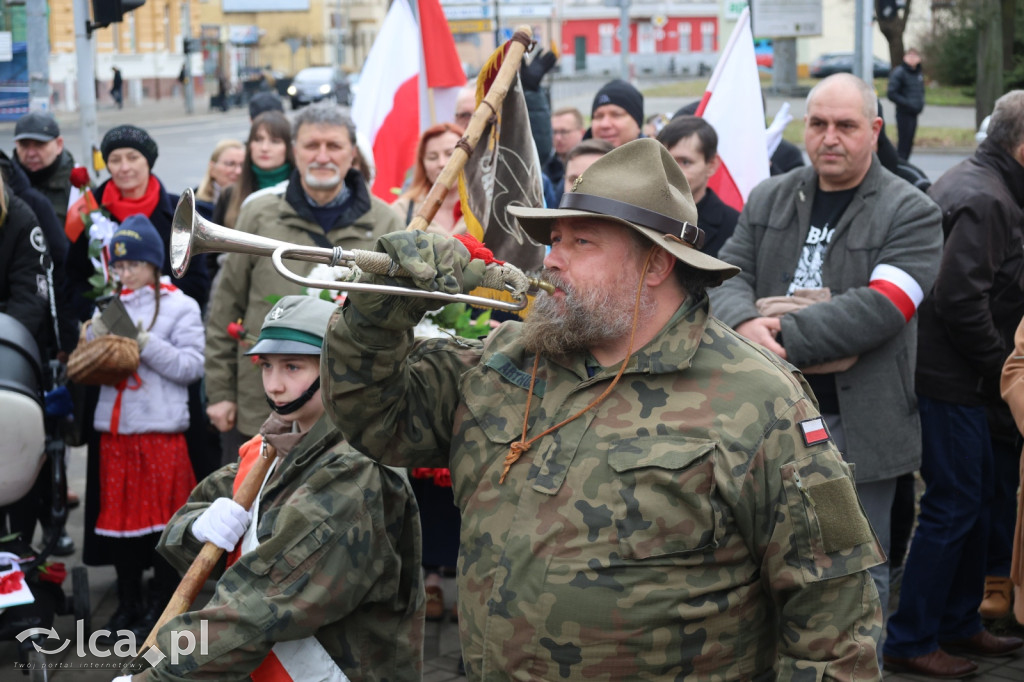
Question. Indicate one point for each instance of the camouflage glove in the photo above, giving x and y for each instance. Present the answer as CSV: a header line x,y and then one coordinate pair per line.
x,y
436,263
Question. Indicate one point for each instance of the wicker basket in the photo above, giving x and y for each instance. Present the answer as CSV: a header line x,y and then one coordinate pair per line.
x,y
105,361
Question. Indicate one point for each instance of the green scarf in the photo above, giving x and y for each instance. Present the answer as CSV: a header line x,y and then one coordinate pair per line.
x,y
269,178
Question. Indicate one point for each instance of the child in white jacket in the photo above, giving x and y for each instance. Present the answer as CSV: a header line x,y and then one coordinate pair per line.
x,y
145,472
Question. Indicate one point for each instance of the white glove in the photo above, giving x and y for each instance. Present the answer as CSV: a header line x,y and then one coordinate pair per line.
x,y
223,523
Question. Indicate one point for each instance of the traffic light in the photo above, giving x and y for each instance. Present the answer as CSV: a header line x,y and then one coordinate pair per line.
x,y
106,12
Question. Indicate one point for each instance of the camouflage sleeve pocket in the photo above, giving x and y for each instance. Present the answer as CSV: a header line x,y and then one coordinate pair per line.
x,y
830,532
667,490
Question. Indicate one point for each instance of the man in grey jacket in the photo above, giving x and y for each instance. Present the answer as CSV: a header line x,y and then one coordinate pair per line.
x,y
848,234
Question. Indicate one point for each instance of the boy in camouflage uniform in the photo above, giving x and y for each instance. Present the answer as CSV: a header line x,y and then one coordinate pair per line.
x,y
689,519
328,584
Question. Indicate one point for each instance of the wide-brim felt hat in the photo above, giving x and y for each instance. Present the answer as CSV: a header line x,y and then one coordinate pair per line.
x,y
638,185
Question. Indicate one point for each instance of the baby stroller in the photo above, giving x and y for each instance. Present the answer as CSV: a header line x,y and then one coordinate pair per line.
x,y
30,434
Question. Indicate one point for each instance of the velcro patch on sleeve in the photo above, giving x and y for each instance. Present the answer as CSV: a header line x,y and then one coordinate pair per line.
x,y
843,524
813,431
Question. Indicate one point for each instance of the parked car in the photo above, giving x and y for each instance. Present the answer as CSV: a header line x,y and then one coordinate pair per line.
x,y
842,62
315,83
764,53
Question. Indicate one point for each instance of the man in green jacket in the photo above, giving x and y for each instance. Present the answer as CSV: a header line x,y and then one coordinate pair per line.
x,y
644,494
326,203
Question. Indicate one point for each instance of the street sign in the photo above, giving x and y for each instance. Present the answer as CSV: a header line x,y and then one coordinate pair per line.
x,y
471,25
786,18
477,11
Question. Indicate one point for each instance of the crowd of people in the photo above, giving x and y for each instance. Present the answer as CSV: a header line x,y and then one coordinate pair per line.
x,y
695,459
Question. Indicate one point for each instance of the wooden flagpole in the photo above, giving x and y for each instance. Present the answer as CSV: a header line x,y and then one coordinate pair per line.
x,y
488,107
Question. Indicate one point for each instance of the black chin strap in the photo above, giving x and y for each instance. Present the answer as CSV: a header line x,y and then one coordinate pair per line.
x,y
298,402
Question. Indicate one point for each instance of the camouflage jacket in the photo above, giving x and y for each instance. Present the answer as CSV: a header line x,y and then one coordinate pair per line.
x,y
681,529
339,558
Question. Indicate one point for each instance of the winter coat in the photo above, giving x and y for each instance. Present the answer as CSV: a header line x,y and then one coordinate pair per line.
x,y
906,89
54,182
717,219
171,359
195,283
22,277
887,223
56,240
968,320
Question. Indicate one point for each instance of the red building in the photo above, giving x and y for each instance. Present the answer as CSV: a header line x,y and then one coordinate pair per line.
x,y
658,44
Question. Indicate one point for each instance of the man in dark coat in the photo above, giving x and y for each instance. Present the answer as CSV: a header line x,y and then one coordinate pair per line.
x,y
693,143
967,325
906,91
39,152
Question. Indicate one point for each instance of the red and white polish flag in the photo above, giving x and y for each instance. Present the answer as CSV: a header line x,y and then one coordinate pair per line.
x,y
814,431
732,104
387,105
899,287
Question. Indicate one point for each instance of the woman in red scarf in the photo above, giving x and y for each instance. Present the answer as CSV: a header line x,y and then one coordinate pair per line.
x,y
132,189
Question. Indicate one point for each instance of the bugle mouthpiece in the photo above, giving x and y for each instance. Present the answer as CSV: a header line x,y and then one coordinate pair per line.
x,y
537,283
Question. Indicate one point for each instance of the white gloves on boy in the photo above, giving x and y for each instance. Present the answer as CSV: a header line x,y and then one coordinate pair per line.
x,y
223,523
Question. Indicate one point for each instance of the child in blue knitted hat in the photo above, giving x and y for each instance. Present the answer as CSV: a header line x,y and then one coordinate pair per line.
x,y
145,472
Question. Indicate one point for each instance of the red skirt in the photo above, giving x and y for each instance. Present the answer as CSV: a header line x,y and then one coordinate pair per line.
x,y
144,479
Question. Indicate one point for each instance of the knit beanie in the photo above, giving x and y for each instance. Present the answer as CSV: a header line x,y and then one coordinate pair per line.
x,y
622,94
137,239
131,137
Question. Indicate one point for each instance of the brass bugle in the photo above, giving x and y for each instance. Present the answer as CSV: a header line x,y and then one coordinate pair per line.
x,y
192,235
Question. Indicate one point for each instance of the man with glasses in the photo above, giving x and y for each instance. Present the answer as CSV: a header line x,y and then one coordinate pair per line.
x,y
566,132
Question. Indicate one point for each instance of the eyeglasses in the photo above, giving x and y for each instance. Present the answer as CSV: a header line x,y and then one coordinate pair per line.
x,y
230,164
559,132
463,115
126,265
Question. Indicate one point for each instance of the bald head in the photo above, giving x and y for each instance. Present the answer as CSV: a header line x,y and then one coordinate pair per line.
x,y
846,83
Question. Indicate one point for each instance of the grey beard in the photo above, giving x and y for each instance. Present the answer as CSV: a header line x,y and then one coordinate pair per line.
x,y
583,319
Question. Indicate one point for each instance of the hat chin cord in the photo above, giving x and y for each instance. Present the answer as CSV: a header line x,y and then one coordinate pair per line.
x,y
298,402
523,445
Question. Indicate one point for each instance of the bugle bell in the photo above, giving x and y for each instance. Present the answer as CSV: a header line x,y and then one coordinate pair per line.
x,y
192,235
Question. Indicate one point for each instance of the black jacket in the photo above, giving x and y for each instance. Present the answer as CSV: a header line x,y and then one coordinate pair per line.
x,y
54,182
22,276
195,283
968,319
906,89
717,219
57,242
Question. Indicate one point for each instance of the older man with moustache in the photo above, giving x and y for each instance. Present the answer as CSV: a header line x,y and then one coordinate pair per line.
x,y
644,494
324,203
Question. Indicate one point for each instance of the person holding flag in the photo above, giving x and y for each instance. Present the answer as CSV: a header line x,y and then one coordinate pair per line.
x,y
323,579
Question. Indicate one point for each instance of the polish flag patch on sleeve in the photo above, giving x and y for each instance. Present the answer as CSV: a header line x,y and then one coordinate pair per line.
x,y
813,431
899,287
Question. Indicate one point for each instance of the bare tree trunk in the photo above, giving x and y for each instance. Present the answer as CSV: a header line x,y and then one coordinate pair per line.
x,y
990,58
892,27
1009,17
